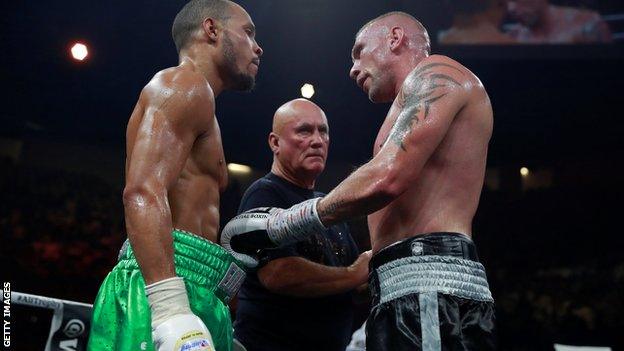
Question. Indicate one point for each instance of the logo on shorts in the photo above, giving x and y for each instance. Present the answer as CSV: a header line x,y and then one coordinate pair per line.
x,y
231,281
417,248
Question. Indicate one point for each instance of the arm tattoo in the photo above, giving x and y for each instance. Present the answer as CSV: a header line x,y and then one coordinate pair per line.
x,y
424,91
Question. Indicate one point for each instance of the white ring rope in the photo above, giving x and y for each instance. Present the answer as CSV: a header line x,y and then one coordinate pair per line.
x,y
19,298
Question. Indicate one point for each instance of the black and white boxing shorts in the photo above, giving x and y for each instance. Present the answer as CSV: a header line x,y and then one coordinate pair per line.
x,y
430,293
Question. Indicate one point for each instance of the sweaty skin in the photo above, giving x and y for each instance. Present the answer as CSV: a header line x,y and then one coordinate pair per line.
x,y
430,153
443,195
175,167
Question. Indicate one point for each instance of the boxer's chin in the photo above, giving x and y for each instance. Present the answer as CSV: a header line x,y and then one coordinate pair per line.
x,y
376,96
243,82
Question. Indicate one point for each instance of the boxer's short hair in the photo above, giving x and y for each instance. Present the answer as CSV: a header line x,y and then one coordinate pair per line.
x,y
191,16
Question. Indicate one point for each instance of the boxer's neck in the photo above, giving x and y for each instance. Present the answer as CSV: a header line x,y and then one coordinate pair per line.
x,y
201,62
403,69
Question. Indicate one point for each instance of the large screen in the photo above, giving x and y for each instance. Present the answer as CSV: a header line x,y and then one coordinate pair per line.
x,y
533,27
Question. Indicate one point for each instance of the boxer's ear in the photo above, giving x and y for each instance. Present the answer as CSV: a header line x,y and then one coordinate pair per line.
x,y
211,29
397,38
274,143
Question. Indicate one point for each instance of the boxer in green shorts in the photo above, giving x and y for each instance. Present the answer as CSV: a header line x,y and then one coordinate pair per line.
x,y
169,291
211,276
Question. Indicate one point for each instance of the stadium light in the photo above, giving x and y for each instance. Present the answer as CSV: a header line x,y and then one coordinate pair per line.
x,y
307,90
238,168
79,51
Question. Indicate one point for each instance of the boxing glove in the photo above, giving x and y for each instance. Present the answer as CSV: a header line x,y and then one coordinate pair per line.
x,y
184,332
174,326
269,227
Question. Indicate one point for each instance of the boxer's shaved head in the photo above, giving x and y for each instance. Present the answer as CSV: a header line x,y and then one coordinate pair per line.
x,y
190,18
416,33
385,49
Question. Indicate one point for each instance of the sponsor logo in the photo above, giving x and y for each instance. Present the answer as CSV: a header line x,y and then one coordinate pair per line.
x,y
74,328
231,281
69,345
38,302
255,215
196,345
417,248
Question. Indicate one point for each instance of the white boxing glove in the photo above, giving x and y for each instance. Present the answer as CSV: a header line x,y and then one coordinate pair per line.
x,y
174,326
184,332
269,227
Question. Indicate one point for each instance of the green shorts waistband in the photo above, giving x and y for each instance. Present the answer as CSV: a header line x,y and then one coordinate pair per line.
x,y
198,261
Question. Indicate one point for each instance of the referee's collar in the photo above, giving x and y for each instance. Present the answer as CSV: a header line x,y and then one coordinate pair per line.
x,y
308,193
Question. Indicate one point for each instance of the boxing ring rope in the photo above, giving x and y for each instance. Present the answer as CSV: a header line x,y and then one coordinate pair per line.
x,y
70,323
23,299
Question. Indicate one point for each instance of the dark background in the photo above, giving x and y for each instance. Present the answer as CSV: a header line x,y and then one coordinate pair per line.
x,y
551,242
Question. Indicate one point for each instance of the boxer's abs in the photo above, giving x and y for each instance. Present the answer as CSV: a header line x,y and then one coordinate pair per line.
x,y
429,206
194,204
445,194
194,198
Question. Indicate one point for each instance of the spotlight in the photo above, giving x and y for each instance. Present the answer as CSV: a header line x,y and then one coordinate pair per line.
x,y
524,171
307,90
79,51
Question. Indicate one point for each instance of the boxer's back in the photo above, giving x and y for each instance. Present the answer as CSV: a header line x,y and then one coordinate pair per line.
x,y
194,196
445,194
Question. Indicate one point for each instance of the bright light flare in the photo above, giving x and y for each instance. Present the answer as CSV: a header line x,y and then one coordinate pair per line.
x,y
238,168
79,51
524,171
307,90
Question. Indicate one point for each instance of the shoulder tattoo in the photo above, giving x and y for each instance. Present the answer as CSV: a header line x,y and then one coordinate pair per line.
x,y
425,86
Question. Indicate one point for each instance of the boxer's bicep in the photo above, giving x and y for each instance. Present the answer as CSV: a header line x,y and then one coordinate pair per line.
x,y
161,144
166,135
429,100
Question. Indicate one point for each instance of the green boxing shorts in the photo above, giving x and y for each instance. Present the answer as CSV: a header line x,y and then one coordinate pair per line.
x,y
122,317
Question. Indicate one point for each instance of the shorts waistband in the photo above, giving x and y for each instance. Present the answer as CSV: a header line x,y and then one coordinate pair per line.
x,y
440,244
439,262
199,261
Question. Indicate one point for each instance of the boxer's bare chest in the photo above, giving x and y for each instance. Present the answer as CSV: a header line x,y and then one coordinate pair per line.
x,y
207,158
